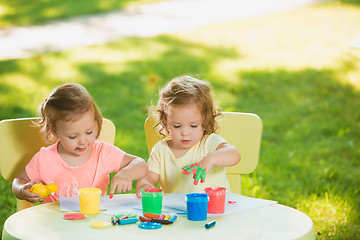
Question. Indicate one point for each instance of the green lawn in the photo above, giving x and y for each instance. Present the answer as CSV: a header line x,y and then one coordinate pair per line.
x,y
22,12
294,69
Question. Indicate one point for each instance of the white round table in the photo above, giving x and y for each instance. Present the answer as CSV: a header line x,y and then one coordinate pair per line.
x,y
270,222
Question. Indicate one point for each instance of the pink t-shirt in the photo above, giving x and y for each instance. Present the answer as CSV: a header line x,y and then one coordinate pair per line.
x,y
47,166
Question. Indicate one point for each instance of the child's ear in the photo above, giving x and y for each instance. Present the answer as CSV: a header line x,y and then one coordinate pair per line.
x,y
53,131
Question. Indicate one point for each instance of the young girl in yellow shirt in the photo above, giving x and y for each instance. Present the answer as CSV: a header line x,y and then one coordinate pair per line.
x,y
187,117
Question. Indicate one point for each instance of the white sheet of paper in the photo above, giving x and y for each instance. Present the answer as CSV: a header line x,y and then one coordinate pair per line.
x,y
176,201
172,203
119,205
72,203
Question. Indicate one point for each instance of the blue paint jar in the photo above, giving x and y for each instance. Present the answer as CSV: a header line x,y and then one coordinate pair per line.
x,y
197,206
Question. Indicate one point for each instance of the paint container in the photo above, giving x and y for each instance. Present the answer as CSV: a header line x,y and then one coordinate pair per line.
x,y
152,200
217,199
89,199
197,205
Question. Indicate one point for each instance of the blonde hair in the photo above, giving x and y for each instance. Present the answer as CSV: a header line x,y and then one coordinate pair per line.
x,y
67,103
184,90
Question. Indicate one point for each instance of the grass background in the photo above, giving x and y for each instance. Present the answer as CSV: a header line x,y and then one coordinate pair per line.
x,y
293,69
22,13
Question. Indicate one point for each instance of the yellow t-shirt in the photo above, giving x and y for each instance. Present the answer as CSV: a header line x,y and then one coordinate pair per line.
x,y
162,161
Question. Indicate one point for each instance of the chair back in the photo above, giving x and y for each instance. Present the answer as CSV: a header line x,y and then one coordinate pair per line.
x,y
20,140
242,130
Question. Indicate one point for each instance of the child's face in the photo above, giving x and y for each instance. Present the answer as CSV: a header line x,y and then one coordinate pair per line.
x,y
76,137
184,124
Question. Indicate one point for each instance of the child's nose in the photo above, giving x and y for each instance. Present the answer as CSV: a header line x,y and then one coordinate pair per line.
x,y
82,141
184,131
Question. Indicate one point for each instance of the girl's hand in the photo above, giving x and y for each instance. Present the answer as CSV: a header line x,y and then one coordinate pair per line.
x,y
206,163
225,155
143,186
29,196
121,182
151,180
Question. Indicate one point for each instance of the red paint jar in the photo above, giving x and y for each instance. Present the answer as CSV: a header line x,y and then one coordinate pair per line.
x,y
217,199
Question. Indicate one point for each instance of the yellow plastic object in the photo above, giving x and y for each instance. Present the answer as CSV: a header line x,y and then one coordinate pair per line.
x,y
53,188
89,199
243,130
40,189
20,139
44,190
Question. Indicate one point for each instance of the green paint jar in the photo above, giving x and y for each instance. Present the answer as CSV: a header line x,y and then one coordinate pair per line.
x,y
152,200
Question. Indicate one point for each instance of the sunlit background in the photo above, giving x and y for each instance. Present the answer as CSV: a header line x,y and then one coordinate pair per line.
x,y
297,68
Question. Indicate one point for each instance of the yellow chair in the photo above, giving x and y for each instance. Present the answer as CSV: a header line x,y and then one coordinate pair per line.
x,y
20,140
242,130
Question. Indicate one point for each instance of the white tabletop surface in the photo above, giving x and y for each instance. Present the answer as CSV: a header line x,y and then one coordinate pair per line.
x,y
274,221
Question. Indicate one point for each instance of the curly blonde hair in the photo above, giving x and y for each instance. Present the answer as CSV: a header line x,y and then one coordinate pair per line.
x,y
67,102
184,90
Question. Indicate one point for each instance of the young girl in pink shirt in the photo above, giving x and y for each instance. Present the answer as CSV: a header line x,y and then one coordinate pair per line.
x,y
77,159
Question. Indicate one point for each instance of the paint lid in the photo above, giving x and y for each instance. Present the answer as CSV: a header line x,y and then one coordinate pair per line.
x,y
215,190
196,197
152,192
74,216
149,225
100,224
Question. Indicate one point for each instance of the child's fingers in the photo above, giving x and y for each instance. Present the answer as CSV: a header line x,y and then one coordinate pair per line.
x,y
203,175
126,187
29,196
34,199
129,187
121,188
138,192
27,186
35,181
112,188
31,183
139,189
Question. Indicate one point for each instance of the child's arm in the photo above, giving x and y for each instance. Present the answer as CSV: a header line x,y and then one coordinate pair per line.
x,y
151,180
225,155
21,188
132,168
